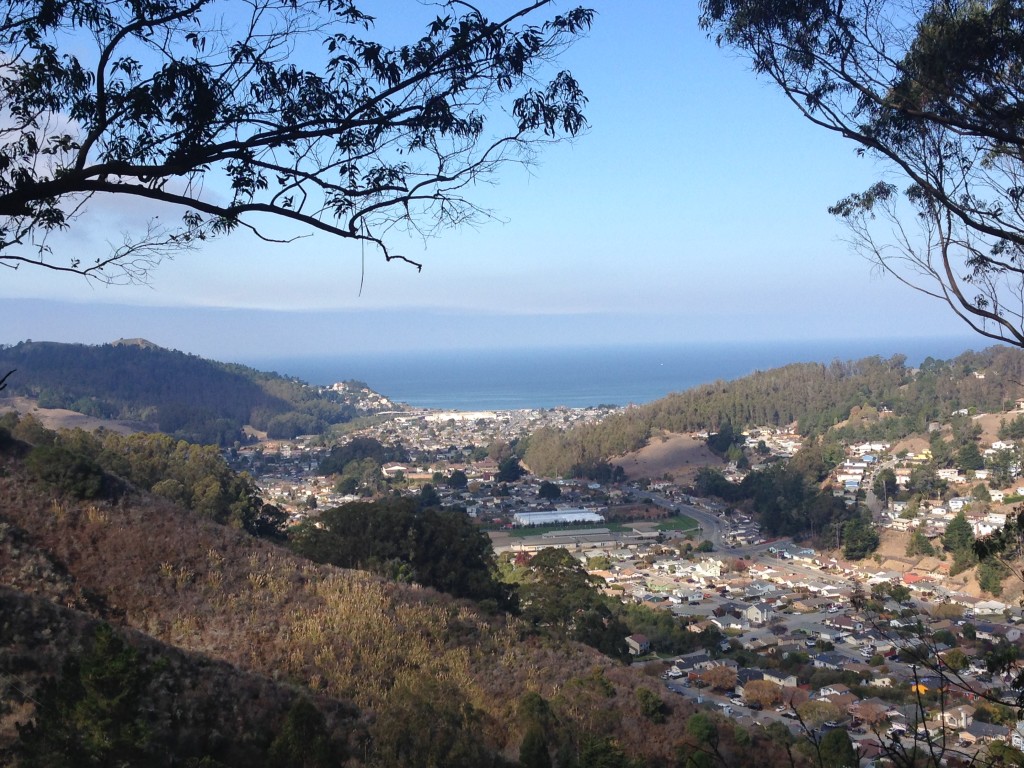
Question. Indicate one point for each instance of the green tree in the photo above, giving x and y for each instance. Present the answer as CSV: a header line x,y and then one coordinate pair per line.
x,y
899,592
991,573
1012,431
457,480
427,723
440,548
919,544
303,741
603,752
837,751
510,470
355,450
721,441
651,705
968,457
884,485
1002,755
558,595
93,714
925,481
534,752
860,538
429,497
549,491
959,535
77,475
702,733
931,89
349,140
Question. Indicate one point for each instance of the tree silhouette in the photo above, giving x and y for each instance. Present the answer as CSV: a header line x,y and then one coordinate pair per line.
x,y
933,89
229,116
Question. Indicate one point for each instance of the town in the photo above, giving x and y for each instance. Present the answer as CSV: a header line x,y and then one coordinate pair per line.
x,y
890,647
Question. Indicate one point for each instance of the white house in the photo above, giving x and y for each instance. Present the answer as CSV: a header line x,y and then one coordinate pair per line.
x,y
759,613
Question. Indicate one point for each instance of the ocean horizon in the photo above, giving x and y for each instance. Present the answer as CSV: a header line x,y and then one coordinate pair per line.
x,y
510,379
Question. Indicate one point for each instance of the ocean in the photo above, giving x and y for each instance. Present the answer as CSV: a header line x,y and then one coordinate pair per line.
x,y
478,380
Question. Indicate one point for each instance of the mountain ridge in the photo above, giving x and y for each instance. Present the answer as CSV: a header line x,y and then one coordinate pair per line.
x,y
184,395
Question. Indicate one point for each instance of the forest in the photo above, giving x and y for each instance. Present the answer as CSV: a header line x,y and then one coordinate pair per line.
x,y
868,399
183,395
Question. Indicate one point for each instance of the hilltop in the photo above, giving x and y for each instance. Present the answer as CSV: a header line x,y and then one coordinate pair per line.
x,y
137,385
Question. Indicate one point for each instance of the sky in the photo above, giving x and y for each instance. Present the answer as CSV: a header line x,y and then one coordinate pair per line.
x,y
694,208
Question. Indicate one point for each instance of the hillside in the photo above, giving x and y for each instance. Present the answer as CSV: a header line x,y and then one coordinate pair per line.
x,y
886,399
155,389
680,456
399,675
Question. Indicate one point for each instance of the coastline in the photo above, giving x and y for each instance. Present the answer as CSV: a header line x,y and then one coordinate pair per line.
x,y
532,378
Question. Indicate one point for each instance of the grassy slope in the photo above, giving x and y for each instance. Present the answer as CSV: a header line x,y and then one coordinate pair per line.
x,y
351,638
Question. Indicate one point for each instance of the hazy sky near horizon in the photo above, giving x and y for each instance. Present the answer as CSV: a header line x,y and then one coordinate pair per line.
x,y
695,207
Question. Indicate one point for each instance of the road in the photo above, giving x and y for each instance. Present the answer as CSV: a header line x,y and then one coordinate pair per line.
x,y
740,713
712,527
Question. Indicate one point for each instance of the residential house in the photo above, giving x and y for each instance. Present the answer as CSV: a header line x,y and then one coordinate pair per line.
x,y
745,676
779,678
691,660
983,733
1017,736
837,689
829,660
847,702
766,644
992,632
848,623
759,613
958,718
638,645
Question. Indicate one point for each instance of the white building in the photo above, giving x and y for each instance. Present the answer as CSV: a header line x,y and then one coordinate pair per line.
x,y
561,516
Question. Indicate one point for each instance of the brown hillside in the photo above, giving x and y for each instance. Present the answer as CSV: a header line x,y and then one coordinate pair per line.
x,y
668,453
61,418
405,658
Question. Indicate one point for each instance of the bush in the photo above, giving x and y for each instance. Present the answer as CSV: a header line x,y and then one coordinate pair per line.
x,y
67,472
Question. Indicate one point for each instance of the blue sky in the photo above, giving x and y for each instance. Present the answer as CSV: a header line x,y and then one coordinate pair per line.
x,y
694,208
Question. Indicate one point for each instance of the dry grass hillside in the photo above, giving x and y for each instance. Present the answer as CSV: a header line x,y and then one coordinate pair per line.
x,y
891,555
61,418
388,659
680,456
